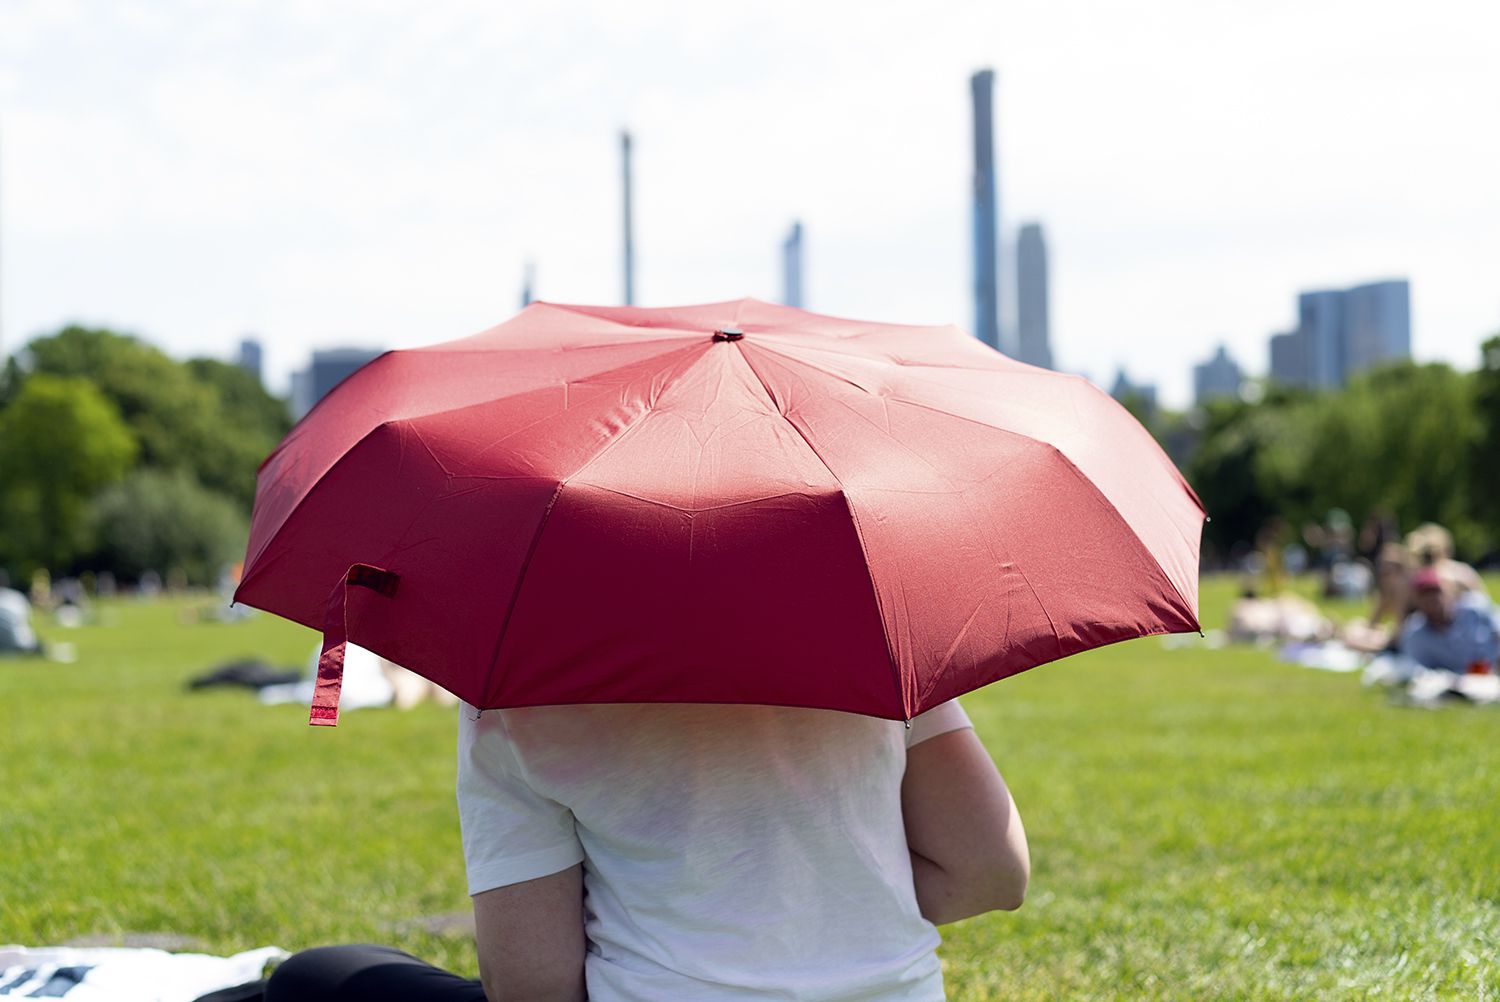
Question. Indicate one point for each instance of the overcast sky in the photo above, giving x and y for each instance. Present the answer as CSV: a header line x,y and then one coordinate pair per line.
x,y
377,171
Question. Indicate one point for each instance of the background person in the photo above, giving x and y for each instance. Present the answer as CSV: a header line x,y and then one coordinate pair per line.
x,y
1451,630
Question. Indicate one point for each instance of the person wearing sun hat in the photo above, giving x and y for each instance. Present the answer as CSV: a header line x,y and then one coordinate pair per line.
x,y
1449,630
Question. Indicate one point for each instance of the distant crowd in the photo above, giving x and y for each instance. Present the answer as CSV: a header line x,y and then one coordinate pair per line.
x,y
1432,625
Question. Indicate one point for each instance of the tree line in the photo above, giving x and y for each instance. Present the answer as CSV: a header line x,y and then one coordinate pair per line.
x,y
1415,443
116,458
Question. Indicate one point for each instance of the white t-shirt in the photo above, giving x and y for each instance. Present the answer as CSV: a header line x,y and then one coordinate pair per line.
x,y
730,852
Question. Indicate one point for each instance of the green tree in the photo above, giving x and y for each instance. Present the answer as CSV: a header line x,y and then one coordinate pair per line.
x,y
206,418
165,521
1248,466
60,441
1399,438
1484,460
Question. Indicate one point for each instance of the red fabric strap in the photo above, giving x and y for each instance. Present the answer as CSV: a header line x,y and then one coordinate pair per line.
x,y
325,701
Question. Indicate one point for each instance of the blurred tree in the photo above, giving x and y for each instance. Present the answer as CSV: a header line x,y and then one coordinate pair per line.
x,y
251,422
1400,437
11,377
163,520
242,398
60,441
207,418
1484,463
1248,466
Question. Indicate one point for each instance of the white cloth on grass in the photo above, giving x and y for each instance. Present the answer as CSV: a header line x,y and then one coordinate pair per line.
x,y
106,974
364,684
15,622
730,852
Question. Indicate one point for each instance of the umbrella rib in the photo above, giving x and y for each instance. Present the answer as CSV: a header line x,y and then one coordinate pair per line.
x,y
854,521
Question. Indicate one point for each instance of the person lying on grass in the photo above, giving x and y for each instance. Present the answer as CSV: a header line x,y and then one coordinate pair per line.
x,y
677,851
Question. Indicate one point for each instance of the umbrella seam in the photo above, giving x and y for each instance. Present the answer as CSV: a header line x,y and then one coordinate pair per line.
x,y
536,539
854,521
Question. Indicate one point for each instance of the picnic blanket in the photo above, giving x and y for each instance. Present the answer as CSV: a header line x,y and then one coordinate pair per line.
x,y
120,974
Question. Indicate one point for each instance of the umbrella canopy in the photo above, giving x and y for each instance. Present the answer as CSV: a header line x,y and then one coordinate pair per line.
x,y
730,503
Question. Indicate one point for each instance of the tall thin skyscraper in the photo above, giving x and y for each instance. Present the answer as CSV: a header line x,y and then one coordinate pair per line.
x,y
629,223
986,213
1034,345
528,278
791,267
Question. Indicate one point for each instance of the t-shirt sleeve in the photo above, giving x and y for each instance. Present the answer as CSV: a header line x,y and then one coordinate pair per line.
x,y
940,719
511,833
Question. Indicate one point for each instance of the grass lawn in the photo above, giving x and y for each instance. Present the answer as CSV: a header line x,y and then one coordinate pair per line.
x,y
1204,824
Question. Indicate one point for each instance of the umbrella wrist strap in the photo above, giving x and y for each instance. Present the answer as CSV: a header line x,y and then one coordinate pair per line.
x,y
330,681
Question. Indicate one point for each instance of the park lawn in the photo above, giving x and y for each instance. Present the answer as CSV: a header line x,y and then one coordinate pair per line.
x,y
1203,823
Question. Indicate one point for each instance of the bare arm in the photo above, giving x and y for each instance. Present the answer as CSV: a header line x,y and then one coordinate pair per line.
x,y
530,938
968,848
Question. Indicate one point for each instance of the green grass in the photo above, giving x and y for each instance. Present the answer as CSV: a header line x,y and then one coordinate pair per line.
x,y
1203,824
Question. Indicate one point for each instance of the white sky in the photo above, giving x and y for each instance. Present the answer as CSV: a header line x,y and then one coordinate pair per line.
x,y
377,171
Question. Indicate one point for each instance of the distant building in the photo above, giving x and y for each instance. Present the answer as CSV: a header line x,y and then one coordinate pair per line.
x,y
1343,332
986,209
327,369
1288,360
1220,376
1321,326
791,267
1141,396
250,357
1377,325
1033,333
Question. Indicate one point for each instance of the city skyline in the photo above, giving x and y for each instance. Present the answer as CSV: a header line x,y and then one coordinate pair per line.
x,y
326,175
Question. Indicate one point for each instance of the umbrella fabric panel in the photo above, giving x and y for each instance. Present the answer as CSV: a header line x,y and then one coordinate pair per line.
x,y
451,504
712,556
388,504
990,553
949,371
767,602
400,386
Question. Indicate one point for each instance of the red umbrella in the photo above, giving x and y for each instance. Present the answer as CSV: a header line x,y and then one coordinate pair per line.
x,y
730,503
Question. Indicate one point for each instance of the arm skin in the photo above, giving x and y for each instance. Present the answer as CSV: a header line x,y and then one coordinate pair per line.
x,y
968,848
530,938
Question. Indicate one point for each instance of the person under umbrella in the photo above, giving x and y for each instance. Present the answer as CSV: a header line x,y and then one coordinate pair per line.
x,y
729,852
727,568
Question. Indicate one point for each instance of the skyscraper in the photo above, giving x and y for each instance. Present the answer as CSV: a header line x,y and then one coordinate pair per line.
x,y
250,357
791,267
1341,333
1220,376
986,213
1377,325
1320,325
1033,340
629,227
1288,360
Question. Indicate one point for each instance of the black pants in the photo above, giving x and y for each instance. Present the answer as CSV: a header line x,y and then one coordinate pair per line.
x,y
366,973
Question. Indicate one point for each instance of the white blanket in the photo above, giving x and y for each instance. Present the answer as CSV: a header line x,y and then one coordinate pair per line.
x,y
124,975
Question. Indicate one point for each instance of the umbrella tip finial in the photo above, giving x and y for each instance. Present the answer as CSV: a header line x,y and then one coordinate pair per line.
x,y
728,334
